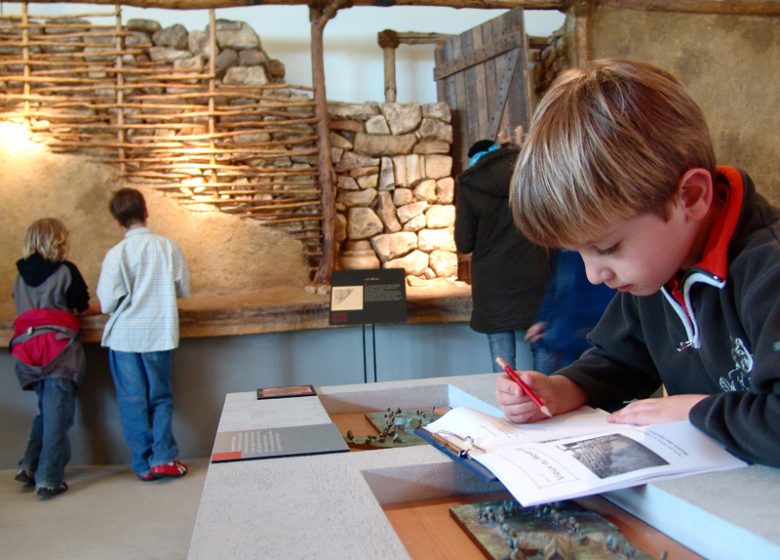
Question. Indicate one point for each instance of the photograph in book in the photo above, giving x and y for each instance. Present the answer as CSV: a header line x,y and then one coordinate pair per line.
x,y
612,454
540,462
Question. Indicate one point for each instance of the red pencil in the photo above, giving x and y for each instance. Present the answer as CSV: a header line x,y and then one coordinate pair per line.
x,y
526,389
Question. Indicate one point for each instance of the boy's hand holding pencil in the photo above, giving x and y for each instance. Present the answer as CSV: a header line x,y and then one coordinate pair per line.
x,y
530,396
528,391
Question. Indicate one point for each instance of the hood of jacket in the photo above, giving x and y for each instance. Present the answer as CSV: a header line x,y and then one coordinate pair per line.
x,y
491,175
34,270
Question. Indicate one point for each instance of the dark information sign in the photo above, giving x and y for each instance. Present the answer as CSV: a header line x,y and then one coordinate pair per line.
x,y
361,297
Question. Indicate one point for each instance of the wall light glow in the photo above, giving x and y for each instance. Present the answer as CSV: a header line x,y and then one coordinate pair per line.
x,y
15,140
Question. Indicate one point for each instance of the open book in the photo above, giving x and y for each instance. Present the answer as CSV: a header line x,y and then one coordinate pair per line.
x,y
578,453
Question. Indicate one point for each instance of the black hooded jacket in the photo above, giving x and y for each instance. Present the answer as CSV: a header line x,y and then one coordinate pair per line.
x,y
49,284
509,274
724,341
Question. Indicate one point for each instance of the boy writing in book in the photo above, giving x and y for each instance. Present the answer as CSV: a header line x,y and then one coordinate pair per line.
x,y
619,166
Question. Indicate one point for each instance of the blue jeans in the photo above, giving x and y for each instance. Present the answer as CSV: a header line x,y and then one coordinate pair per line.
x,y
143,392
549,361
511,346
48,449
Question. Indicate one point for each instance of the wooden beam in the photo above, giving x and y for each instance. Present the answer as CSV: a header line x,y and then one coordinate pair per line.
x,y
502,44
414,38
389,40
723,7
318,4
732,7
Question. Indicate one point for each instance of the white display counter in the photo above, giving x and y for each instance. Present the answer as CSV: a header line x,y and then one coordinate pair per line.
x,y
330,506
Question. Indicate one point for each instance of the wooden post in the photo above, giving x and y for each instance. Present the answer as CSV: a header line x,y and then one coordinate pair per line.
x,y
26,62
388,40
120,91
390,84
319,17
582,10
212,88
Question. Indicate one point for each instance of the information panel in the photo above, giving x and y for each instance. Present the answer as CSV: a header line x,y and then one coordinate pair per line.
x,y
361,297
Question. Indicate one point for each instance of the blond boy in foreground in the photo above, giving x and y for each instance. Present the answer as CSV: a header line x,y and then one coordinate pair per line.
x,y
619,166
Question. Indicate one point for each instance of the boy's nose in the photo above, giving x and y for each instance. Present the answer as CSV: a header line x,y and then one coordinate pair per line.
x,y
597,274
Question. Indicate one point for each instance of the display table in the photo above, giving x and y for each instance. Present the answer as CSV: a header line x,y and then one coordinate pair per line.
x,y
331,506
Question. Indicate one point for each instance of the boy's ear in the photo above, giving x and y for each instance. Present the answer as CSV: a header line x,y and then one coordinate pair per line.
x,y
695,190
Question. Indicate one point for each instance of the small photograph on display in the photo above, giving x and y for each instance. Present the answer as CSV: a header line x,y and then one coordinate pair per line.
x,y
286,391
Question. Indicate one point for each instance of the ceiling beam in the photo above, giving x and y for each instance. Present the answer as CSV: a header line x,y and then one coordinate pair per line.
x,y
726,7
320,4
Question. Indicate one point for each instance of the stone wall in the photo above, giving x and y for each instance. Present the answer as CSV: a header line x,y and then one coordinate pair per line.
x,y
240,59
394,172
395,187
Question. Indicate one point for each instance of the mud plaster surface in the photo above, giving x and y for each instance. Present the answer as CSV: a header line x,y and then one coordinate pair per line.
x,y
225,254
729,64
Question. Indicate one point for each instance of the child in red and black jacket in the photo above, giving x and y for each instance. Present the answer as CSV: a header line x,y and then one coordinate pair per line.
x,y
49,292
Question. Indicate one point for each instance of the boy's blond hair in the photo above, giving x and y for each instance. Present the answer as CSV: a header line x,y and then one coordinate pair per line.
x,y
608,142
48,237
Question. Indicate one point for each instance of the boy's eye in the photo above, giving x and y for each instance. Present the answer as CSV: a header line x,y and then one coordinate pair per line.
x,y
607,251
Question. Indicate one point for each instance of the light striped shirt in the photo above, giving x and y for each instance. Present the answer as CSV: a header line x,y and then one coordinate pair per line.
x,y
139,281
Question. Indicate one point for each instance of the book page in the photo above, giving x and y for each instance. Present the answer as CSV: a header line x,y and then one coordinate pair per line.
x,y
626,456
490,432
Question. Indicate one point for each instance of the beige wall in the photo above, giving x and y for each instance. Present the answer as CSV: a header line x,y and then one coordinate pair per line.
x,y
225,253
731,66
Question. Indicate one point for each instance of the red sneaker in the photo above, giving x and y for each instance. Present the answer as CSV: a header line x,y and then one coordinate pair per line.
x,y
147,477
173,469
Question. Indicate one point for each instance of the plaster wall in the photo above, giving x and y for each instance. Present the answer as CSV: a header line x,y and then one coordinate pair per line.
x,y
731,66
226,254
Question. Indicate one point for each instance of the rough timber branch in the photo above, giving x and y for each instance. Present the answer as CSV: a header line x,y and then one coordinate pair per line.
x,y
735,7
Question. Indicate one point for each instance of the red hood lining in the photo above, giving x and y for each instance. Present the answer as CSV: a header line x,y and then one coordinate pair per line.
x,y
715,255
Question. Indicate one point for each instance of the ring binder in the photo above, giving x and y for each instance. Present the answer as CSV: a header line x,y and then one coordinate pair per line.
x,y
442,436
447,442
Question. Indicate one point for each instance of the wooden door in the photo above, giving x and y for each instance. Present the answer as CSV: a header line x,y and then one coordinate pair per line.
x,y
482,74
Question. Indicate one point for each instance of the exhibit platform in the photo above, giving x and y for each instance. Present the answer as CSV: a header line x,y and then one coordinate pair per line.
x,y
279,309
346,505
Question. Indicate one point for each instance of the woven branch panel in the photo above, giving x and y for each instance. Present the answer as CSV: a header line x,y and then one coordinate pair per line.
x,y
236,141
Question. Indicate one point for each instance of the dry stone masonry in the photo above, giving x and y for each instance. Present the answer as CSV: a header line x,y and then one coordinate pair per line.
x,y
240,59
395,187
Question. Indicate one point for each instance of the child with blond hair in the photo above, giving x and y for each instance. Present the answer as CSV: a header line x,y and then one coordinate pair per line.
x,y
49,291
619,166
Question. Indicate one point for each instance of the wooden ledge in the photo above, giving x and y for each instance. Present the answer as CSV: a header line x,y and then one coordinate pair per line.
x,y
280,310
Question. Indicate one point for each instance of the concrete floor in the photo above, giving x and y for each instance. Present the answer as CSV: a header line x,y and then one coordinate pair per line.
x,y
106,513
